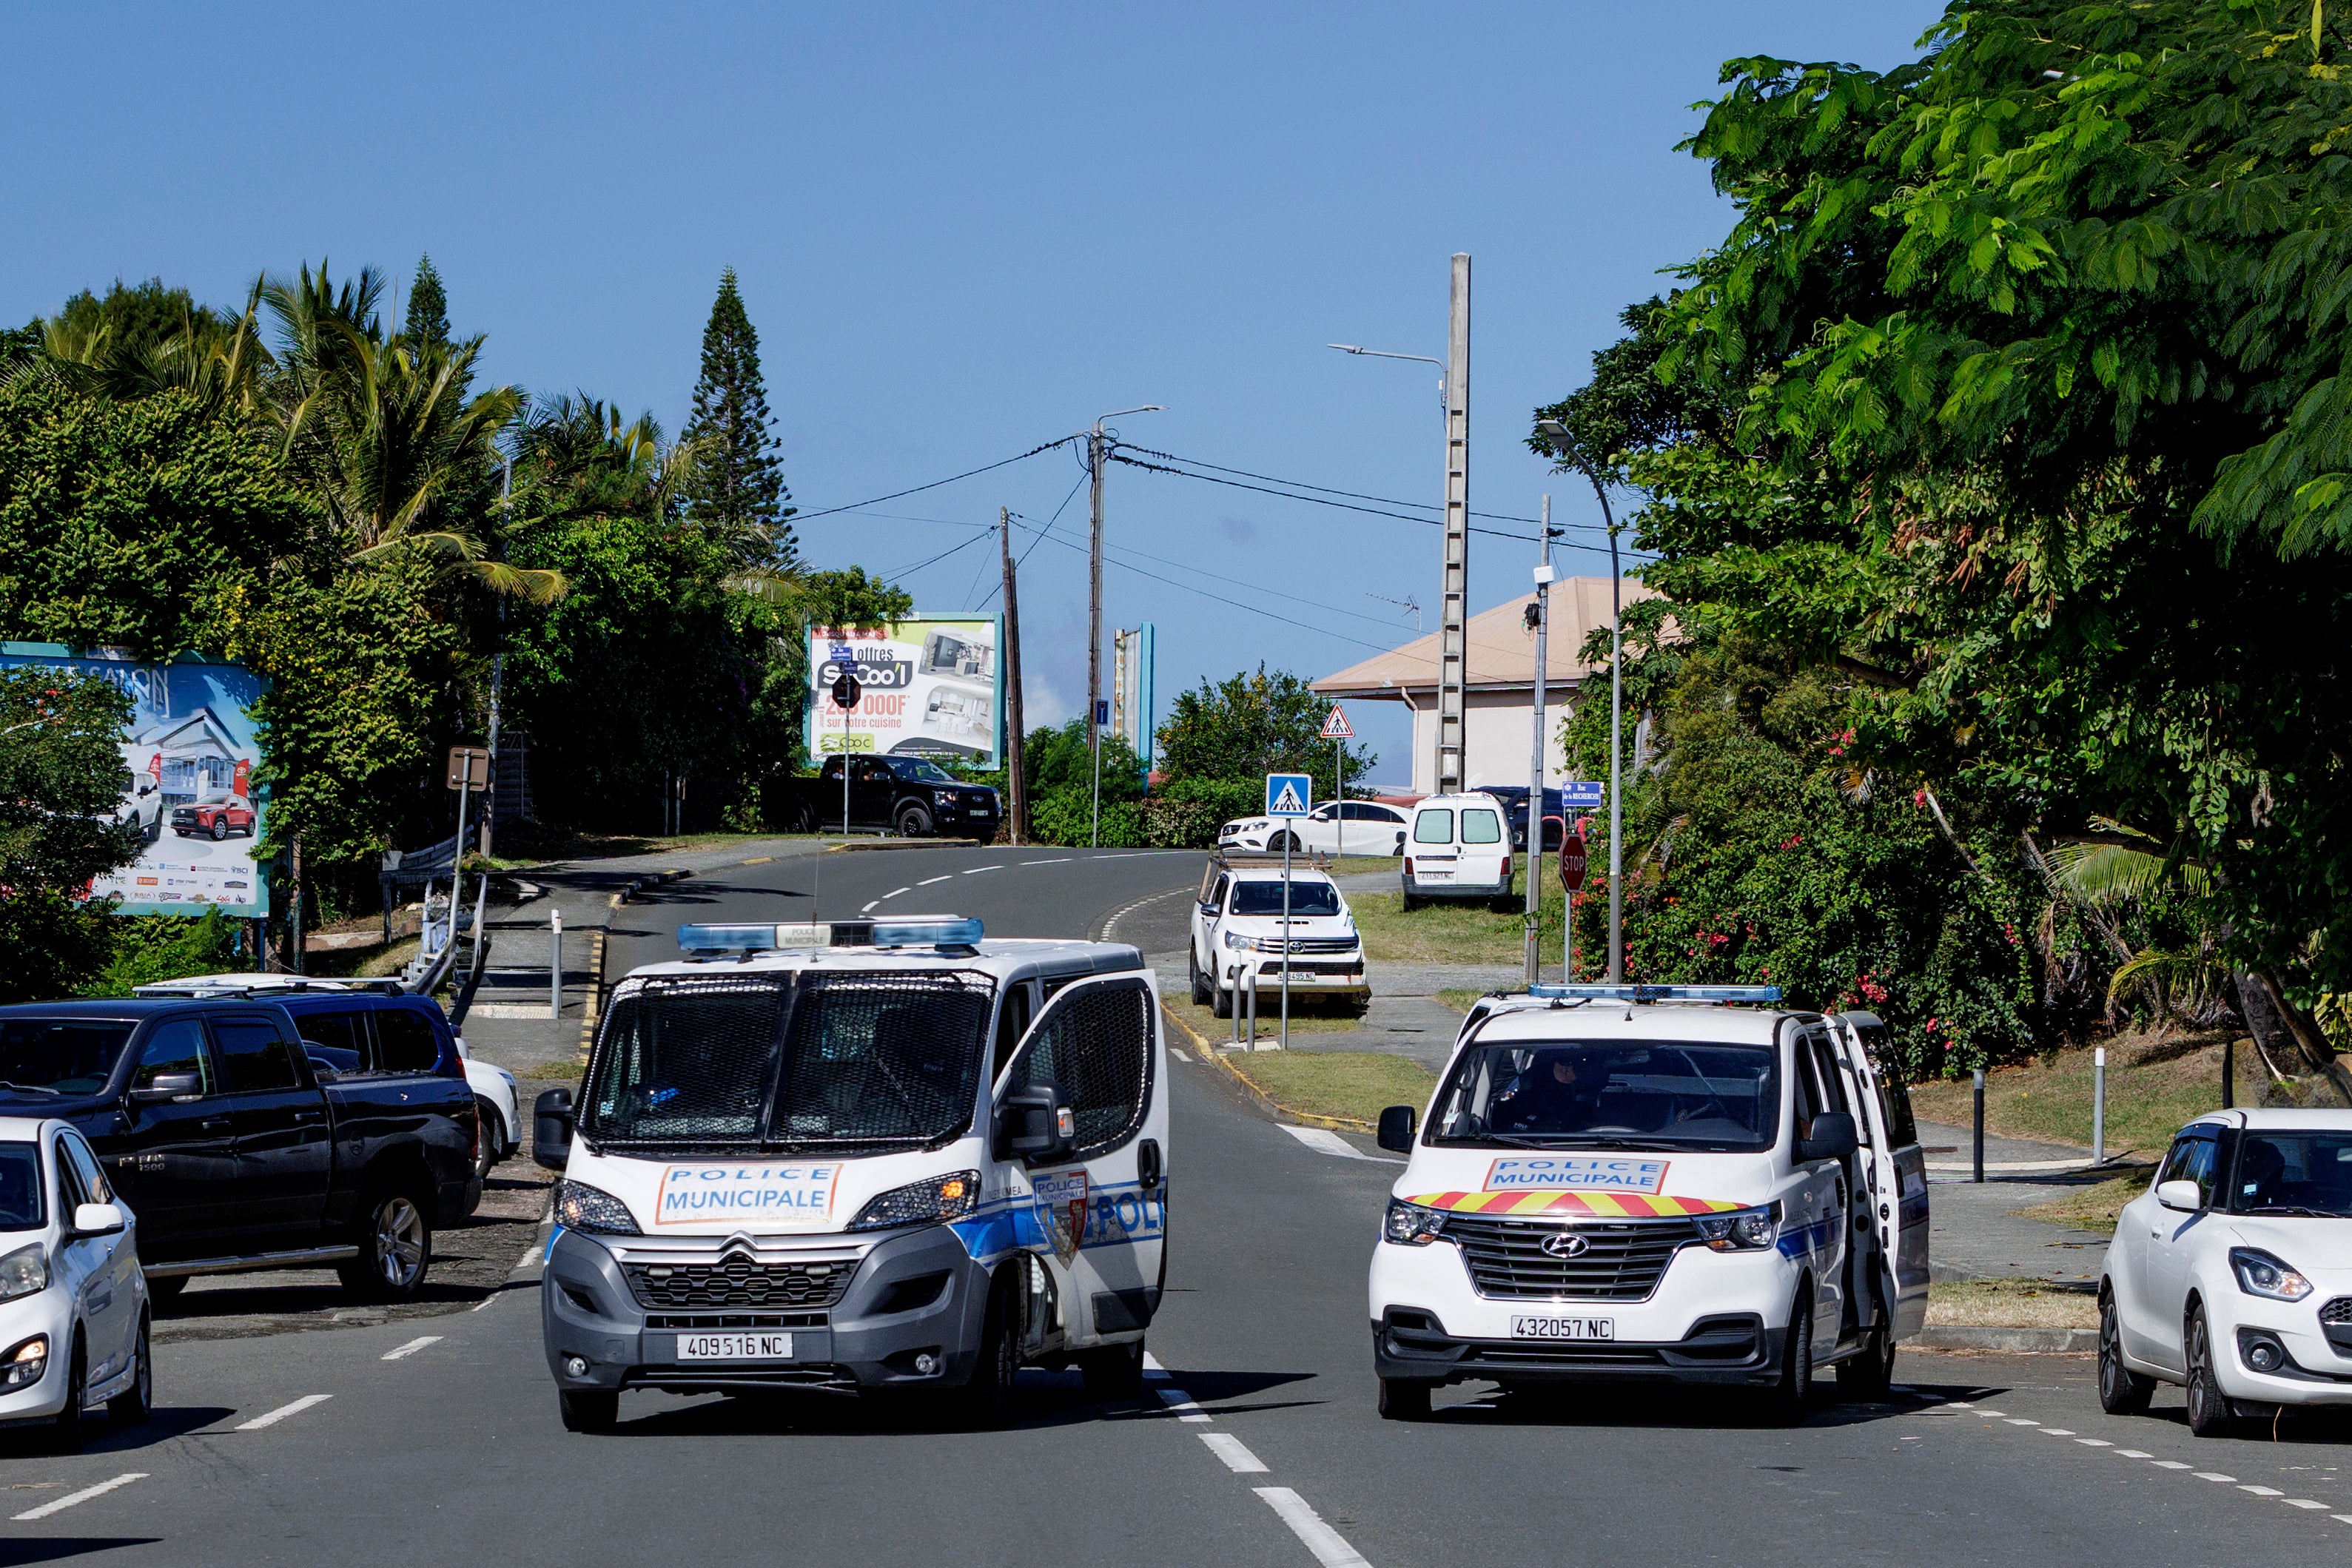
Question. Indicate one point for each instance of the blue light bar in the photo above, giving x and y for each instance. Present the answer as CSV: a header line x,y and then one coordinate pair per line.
x,y
926,930
906,931
1658,993
735,938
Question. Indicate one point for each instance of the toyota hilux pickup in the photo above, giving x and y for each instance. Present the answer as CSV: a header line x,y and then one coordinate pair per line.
x,y
235,1153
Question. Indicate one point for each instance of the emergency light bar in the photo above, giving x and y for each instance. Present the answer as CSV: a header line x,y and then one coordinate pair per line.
x,y
1659,993
942,931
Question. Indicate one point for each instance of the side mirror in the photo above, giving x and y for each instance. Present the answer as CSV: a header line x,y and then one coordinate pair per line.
x,y
2185,1195
166,1087
1396,1129
97,1219
550,1129
1833,1138
1032,1124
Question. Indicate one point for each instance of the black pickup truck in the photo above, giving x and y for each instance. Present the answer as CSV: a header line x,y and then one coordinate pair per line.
x,y
910,795
220,1135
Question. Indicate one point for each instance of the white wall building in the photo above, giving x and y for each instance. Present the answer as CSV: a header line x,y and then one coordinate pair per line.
x,y
1499,685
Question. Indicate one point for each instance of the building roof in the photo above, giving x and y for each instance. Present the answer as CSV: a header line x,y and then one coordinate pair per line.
x,y
1502,650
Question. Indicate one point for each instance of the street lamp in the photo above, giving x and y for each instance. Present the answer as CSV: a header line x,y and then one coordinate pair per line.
x,y
1381,354
1094,606
1554,432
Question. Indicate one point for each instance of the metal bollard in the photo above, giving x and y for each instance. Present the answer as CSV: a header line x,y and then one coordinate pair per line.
x,y
2099,1106
1980,1161
555,964
1253,1021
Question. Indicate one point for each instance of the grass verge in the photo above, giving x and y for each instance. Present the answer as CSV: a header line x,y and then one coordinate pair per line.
x,y
2154,1084
1350,1087
1317,1017
1455,933
2007,1305
2092,1207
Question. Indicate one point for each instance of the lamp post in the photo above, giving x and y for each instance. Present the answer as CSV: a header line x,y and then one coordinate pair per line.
x,y
1094,604
1556,432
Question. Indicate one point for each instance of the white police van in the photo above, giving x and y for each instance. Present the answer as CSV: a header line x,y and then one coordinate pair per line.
x,y
1645,1184
869,1156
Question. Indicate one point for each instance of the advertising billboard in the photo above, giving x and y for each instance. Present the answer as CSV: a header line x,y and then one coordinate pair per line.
x,y
188,760
932,686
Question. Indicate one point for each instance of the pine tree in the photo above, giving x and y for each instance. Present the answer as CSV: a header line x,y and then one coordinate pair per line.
x,y
736,489
429,307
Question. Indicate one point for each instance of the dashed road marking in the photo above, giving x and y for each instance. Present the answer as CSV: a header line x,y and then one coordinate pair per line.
x,y
1237,1457
2303,1502
1178,1051
2017,1420
71,1499
1180,1405
2170,1465
2263,1491
869,908
412,1347
1331,1548
977,869
272,1418
2056,1432
2216,1475
894,892
1063,860
1151,1368
929,880
1324,1141
2095,1442
2134,1454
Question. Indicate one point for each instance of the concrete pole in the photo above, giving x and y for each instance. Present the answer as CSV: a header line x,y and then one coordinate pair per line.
x,y
1287,836
2099,1106
1536,760
1016,789
1094,604
555,964
1616,753
1453,638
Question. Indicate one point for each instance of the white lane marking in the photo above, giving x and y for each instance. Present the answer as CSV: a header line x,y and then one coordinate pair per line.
x,y
1993,1415
412,1347
894,892
2170,1465
977,869
274,1416
2056,1432
2303,1502
2216,1475
2018,1420
1064,861
2341,1518
2095,1442
485,1300
1331,1548
1957,1404
2134,1454
2263,1491
1324,1141
869,908
1180,1405
1237,1458
1179,1053
1151,1368
929,880
100,1490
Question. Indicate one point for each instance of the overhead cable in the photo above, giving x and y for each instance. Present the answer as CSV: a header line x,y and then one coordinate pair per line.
x,y
1000,462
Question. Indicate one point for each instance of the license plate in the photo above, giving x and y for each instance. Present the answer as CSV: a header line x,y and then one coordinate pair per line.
x,y
1563,1328
1436,875
734,1347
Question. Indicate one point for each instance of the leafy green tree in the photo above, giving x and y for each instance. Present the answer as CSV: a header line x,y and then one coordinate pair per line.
x,y
429,307
1249,725
60,783
1060,773
737,491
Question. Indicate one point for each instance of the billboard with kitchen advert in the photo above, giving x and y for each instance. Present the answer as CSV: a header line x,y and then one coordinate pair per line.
x,y
931,685
188,759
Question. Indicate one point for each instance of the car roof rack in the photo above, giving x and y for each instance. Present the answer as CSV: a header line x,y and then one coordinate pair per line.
x,y
1606,993
1257,859
202,985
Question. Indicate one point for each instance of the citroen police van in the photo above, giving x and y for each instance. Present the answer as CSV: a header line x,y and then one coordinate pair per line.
x,y
1652,1184
860,1157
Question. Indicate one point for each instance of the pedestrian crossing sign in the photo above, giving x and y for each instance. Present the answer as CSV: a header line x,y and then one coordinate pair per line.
x,y
1335,726
1288,794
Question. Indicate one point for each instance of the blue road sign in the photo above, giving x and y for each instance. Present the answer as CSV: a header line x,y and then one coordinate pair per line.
x,y
1582,796
1289,794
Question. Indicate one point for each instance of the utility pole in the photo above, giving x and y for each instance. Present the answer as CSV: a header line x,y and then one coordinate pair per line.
x,y
498,668
1093,589
1539,613
1016,788
1616,747
1453,646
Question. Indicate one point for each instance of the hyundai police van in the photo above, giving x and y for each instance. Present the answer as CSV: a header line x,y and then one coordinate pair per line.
x,y
865,1156
1647,1183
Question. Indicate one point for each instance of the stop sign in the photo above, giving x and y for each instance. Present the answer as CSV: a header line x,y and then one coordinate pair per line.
x,y
1571,862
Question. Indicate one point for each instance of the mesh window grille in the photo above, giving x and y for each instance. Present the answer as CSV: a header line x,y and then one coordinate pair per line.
x,y
883,1059
1096,1043
685,1060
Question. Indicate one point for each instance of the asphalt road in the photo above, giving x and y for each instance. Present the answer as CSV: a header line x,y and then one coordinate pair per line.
x,y
438,1440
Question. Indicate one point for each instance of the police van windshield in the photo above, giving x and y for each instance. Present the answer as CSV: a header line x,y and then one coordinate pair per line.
x,y
841,1063
1266,898
1612,1094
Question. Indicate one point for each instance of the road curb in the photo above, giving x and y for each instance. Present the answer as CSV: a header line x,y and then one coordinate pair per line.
x,y
2016,1341
1250,1089
854,845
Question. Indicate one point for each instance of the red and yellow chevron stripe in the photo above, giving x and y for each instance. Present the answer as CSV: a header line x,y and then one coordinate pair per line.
x,y
1598,1204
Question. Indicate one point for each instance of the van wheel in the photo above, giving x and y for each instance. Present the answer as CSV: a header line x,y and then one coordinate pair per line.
x,y
2121,1391
914,822
1114,1371
1404,1399
395,1242
134,1404
2210,1415
588,1411
1868,1377
1411,902
987,1399
1784,1403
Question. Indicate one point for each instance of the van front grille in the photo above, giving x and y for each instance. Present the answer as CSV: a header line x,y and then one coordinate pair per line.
x,y
739,1280
1622,1261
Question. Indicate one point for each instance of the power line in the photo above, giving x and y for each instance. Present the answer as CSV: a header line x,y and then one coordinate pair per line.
x,y
1237,604
854,505
934,561
1357,495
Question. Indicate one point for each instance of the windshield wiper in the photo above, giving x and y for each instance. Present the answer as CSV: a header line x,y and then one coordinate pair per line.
x,y
2291,1208
30,1087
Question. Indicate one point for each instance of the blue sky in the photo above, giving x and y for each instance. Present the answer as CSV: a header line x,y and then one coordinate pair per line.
x,y
962,229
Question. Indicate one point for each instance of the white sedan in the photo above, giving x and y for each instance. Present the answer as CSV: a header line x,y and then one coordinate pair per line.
x,y
73,1303
2231,1275
1335,826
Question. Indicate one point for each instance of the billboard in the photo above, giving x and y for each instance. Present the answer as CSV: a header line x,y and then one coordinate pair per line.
x,y
933,687
188,759
1132,659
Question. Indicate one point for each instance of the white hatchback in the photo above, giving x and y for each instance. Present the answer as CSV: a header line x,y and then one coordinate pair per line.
x,y
73,1303
2231,1275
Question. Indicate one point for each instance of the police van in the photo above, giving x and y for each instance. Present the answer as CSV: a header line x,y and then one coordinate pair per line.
x,y
1622,1184
865,1156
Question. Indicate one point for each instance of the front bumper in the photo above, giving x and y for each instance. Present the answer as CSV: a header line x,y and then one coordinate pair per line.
x,y
49,1313
1317,977
1729,1348
868,1338
2318,1366
1416,887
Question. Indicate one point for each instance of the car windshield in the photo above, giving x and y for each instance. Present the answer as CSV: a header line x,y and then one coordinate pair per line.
x,y
2294,1173
46,1058
20,1187
1612,1094
825,1063
915,771
1266,898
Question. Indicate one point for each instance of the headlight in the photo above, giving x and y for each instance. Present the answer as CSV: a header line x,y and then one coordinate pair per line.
x,y
25,1363
23,1271
1412,1225
2258,1274
1236,940
943,796
591,1210
1742,1229
930,1202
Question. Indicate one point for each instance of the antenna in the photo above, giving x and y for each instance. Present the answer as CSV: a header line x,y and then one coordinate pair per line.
x,y
1400,604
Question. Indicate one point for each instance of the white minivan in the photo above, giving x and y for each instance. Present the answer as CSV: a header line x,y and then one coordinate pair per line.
x,y
1456,847
874,1155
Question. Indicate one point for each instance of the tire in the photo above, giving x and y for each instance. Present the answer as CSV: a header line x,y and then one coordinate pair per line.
x,y
220,830
1201,986
493,1139
2210,1415
1866,1378
134,1404
1404,1399
1282,841
2121,1391
67,1429
1114,1371
1221,1004
395,1242
1411,902
914,822
588,1411
1785,1402
986,1402
164,1293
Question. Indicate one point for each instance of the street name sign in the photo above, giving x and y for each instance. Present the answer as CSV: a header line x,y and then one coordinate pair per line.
x,y
1575,796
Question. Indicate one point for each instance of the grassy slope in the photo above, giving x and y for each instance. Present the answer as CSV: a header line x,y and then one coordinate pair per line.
x,y
1452,933
1346,1085
2153,1086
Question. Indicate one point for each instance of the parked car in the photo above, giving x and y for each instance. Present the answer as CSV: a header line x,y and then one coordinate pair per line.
x,y
73,1304
912,796
1237,923
1456,848
2231,1275
211,1123
1513,798
142,806
216,817
1335,826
